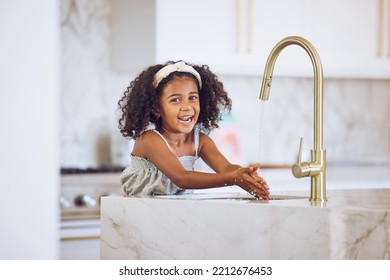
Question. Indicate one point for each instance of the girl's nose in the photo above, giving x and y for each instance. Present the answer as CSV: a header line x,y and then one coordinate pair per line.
x,y
186,106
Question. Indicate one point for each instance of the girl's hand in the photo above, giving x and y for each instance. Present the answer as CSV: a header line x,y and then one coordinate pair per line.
x,y
248,179
258,178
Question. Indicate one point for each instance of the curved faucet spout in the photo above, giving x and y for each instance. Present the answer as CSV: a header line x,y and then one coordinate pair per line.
x,y
317,67
316,169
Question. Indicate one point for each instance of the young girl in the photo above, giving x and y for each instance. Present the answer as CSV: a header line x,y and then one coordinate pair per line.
x,y
168,110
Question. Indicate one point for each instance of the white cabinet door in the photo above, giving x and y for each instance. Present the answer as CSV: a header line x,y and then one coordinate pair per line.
x,y
236,36
155,31
80,249
199,31
233,36
277,19
352,37
346,33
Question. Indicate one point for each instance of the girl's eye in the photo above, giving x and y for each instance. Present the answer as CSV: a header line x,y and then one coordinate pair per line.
x,y
193,97
175,99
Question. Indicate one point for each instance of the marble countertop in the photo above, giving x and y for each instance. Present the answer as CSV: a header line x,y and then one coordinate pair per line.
x,y
354,224
227,223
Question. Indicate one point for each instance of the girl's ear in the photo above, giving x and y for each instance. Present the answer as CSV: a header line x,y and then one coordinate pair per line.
x,y
156,112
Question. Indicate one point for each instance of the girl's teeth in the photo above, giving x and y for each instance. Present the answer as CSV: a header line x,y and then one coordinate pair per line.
x,y
185,119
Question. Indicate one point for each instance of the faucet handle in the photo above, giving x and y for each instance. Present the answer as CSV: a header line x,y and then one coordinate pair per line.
x,y
299,157
301,169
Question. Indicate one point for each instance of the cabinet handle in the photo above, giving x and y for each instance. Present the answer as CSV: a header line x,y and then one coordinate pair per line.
x,y
251,24
238,25
388,28
245,10
381,23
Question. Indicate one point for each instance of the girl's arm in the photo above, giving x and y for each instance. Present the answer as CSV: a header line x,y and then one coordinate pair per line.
x,y
211,155
217,161
152,146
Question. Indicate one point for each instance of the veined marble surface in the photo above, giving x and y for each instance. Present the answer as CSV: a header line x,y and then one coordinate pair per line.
x,y
352,224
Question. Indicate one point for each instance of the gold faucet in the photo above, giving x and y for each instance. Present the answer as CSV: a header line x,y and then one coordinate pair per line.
x,y
316,168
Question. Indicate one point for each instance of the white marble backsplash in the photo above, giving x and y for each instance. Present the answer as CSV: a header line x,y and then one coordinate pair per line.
x,y
356,113
356,118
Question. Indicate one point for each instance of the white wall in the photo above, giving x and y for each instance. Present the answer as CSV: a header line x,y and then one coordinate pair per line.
x,y
29,150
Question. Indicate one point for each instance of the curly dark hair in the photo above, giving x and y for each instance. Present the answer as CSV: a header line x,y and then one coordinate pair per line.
x,y
141,98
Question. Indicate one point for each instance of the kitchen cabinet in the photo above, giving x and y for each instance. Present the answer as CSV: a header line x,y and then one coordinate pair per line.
x,y
80,249
236,36
199,31
275,20
155,31
232,36
353,37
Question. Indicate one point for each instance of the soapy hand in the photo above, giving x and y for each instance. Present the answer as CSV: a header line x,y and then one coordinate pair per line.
x,y
249,180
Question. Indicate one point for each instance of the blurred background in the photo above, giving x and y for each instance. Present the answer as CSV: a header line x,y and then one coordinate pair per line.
x,y
105,44
65,64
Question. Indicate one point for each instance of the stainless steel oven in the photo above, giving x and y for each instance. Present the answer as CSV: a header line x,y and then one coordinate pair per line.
x,y
81,190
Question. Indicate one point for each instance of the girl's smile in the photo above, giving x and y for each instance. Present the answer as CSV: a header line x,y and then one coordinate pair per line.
x,y
186,120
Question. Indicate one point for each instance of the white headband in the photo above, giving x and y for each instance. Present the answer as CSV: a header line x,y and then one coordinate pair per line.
x,y
177,67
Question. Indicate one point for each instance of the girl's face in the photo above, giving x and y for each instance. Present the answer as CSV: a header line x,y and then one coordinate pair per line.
x,y
179,105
